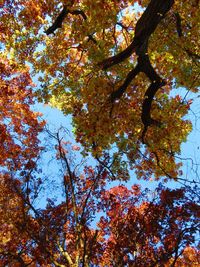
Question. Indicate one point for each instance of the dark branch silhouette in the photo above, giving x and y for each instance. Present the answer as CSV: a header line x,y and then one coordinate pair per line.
x,y
178,25
146,25
58,22
131,75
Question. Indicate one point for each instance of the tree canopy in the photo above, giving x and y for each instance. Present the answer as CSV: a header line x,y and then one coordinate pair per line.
x,y
112,65
115,67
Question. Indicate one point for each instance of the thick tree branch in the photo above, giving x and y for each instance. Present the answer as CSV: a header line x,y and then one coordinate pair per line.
x,y
148,98
144,65
146,25
156,83
58,22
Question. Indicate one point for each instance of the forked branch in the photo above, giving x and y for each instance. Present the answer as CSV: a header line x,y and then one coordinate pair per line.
x,y
146,25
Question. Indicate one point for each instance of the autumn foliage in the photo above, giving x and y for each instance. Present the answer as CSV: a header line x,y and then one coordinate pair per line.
x,y
114,66
19,125
135,228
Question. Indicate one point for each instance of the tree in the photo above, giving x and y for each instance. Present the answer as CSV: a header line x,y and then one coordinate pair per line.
x,y
20,150
114,66
19,125
136,227
146,232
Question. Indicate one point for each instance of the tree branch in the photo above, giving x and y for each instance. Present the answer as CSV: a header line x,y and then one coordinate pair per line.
x,y
178,24
146,25
156,83
78,12
59,20
131,75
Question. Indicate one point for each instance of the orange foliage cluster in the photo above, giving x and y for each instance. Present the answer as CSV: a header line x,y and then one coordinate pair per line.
x,y
19,125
